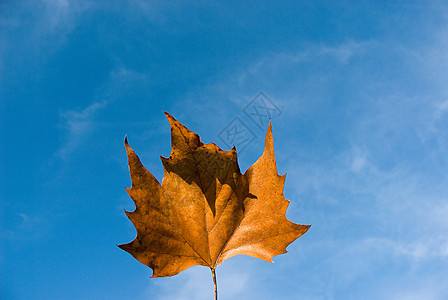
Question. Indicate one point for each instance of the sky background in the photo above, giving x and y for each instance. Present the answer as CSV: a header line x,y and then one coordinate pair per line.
x,y
361,131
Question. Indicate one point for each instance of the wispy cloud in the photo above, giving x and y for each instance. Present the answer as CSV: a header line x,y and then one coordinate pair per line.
x,y
423,288
358,160
61,13
76,125
281,62
46,16
441,109
34,30
61,16
417,251
196,283
186,287
25,226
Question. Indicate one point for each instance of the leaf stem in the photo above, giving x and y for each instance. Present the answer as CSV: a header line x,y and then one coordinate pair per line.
x,y
214,282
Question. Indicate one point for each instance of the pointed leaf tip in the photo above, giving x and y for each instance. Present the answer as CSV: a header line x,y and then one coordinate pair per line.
x,y
168,115
126,140
269,140
270,126
172,120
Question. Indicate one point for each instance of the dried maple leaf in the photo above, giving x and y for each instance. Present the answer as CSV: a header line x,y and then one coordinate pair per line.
x,y
206,211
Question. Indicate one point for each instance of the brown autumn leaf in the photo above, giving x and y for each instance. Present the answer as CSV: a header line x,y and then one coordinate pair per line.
x,y
206,211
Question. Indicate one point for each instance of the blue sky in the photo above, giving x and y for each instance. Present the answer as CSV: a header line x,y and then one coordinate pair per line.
x,y
362,135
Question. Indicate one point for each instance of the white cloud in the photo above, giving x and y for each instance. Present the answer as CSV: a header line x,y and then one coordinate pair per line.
x,y
238,278
76,125
424,289
34,30
60,12
441,108
196,283
344,52
418,250
281,62
25,226
61,16
359,160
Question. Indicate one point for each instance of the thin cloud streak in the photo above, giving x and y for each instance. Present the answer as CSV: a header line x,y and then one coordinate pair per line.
x,y
77,124
196,283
